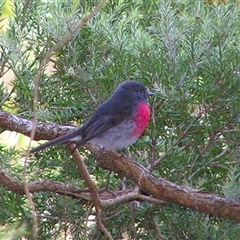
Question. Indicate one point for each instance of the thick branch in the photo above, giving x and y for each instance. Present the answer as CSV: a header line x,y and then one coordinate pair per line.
x,y
165,190
148,183
107,199
43,131
41,185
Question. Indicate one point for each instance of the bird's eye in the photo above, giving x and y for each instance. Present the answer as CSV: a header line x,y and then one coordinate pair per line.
x,y
142,91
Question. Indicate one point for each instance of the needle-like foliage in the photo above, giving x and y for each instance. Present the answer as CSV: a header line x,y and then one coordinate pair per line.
x,y
187,52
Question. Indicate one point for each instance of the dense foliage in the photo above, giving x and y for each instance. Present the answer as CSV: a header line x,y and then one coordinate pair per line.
x,y
188,52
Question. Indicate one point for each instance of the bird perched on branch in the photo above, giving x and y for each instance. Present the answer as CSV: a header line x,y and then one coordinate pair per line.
x,y
115,124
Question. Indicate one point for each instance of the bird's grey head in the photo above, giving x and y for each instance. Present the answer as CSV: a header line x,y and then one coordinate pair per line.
x,y
135,89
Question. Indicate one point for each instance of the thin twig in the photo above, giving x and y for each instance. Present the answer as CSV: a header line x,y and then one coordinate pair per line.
x,y
42,64
158,161
157,228
92,187
72,33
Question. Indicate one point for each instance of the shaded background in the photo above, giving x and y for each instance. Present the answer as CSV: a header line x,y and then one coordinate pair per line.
x,y
188,52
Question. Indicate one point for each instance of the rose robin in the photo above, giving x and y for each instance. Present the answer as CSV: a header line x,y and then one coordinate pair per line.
x,y
116,124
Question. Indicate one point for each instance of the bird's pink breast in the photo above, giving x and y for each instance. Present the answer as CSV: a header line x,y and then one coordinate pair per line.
x,y
141,119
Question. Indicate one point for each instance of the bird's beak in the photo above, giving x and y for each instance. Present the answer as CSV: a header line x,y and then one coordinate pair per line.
x,y
150,93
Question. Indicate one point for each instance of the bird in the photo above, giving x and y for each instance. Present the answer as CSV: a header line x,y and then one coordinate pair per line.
x,y
116,124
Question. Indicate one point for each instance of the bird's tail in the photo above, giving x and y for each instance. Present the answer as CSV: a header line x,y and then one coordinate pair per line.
x,y
62,139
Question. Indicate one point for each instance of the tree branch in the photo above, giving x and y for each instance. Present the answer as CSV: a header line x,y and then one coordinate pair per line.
x,y
165,190
157,188
65,189
92,187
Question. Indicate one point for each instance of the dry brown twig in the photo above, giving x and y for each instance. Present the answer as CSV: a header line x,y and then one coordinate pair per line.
x,y
92,187
108,199
150,185
42,64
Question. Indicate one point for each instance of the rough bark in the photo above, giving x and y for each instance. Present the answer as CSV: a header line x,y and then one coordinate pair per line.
x,y
157,189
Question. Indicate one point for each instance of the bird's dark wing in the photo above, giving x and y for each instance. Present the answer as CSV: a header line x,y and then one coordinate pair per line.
x,y
96,125
93,128
88,131
111,113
